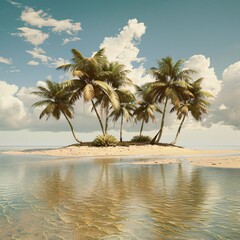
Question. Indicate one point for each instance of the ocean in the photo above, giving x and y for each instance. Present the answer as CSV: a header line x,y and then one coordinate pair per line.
x,y
45,197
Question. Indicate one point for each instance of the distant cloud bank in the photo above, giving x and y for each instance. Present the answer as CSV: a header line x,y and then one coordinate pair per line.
x,y
226,109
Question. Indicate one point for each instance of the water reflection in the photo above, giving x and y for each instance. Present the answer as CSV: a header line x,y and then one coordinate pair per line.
x,y
114,199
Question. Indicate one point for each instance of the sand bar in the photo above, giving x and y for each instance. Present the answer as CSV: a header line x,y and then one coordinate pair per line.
x,y
212,158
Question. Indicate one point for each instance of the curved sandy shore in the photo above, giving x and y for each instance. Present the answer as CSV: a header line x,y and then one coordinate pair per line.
x,y
213,158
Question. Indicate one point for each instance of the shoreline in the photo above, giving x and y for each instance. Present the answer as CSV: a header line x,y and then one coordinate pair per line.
x,y
207,158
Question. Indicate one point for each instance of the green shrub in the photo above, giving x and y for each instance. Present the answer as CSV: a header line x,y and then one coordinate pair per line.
x,y
104,141
141,139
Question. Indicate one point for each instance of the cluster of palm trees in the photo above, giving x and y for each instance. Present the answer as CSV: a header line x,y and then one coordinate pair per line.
x,y
107,87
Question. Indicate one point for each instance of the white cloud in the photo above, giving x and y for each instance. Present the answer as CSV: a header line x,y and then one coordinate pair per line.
x,y
58,62
41,19
5,60
16,4
71,39
138,75
222,107
65,76
226,106
12,111
231,74
14,70
33,36
39,53
48,77
33,63
43,83
25,96
202,65
123,48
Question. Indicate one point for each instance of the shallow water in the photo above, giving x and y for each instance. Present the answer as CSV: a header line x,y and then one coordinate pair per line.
x,y
97,198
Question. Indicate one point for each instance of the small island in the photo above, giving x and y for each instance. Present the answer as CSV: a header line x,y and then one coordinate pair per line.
x,y
162,154
114,97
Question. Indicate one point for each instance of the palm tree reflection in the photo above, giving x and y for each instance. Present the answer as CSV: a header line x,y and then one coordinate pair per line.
x,y
144,200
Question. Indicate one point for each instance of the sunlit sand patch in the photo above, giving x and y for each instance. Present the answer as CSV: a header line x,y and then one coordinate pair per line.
x,y
217,161
156,161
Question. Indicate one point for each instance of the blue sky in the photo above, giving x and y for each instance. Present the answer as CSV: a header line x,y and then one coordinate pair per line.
x,y
36,36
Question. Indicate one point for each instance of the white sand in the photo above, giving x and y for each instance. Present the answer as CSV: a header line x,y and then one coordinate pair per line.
x,y
212,158
220,161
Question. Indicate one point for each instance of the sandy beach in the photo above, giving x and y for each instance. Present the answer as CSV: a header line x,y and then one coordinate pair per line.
x,y
209,158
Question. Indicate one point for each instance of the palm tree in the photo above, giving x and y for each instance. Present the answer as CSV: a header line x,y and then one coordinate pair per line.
x,y
115,75
197,105
88,83
127,107
56,103
124,96
172,83
144,112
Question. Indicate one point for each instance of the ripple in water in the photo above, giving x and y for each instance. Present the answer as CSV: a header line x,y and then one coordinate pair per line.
x,y
53,199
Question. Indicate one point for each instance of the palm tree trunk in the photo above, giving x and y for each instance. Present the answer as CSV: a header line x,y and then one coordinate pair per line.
x,y
162,123
121,128
98,116
179,130
107,117
71,128
141,128
158,136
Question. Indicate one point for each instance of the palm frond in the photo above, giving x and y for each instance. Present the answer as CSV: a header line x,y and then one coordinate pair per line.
x,y
42,103
65,67
41,94
115,115
77,54
68,110
198,82
173,95
126,114
125,95
107,89
50,108
88,92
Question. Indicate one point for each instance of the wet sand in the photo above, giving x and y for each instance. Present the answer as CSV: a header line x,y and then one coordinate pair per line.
x,y
210,158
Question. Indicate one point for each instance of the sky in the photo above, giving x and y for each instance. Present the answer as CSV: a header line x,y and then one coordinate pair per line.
x,y
37,36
